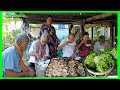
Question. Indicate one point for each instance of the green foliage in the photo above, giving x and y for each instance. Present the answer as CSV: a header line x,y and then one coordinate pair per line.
x,y
7,39
8,34
13,14
15,32
98,34
114,53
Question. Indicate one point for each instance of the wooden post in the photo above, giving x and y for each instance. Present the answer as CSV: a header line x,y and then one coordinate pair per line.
x,y
82,30
70,28
92,32
115,30
116,36
111,35
25,25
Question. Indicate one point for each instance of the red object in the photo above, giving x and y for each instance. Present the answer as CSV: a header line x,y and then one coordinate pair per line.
x,y
84,50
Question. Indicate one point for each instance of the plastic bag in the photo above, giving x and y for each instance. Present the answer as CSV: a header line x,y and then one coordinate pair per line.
x,y
40,68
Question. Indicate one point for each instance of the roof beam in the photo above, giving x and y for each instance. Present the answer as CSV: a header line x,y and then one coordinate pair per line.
x,y
101,16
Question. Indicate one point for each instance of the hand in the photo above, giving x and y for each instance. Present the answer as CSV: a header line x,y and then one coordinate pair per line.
x,y
45,57
31,72
75,47
25,73
82,42
38,56
66,42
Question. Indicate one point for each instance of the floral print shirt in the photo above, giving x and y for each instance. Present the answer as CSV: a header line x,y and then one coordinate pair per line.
x,y
53,41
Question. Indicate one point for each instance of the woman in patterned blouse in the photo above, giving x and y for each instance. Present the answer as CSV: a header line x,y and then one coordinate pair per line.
x,y
53,41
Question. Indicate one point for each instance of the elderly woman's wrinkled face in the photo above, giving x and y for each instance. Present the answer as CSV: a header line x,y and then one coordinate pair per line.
x,y
86,37
49,20
43,41
23,45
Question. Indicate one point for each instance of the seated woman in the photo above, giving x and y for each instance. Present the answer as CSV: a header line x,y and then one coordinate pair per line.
x,y
101,44
85,45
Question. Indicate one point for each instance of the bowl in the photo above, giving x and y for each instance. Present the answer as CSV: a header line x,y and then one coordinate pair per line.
x,y
88,45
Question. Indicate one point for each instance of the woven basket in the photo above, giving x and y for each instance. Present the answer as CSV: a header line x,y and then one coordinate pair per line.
x,y
98,73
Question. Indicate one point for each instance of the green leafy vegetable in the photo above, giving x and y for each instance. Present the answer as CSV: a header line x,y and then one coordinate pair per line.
x,y
114,53
89,62
105,62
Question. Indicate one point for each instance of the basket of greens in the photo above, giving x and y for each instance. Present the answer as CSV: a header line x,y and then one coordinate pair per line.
x,y
99,64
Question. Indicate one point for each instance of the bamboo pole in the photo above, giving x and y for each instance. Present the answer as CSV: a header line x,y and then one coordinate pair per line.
x,y
99,17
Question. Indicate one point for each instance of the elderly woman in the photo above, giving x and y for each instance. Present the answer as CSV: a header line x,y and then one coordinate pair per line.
x,y
53,41
12,62
101,44
39,50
